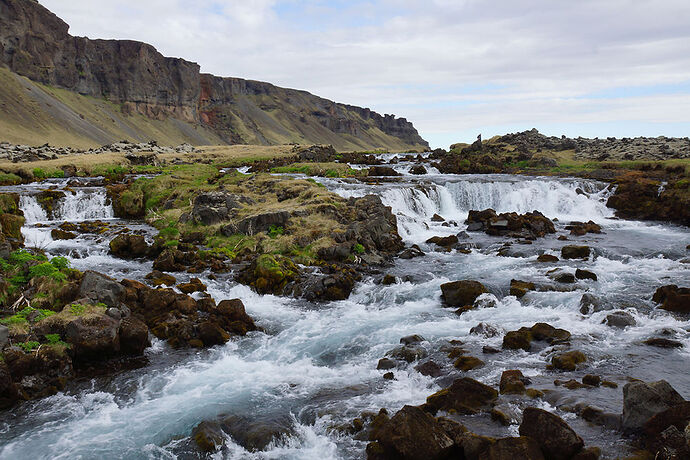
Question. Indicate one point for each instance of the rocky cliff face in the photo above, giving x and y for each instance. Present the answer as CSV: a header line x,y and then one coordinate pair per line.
x,y
35,43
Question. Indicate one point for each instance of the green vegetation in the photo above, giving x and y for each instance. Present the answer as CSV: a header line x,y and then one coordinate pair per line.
x,y
41,174
9,179
275,230
29,346
358,249
77,309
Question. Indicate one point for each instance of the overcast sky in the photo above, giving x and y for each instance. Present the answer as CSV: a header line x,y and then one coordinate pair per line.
x,y
455,68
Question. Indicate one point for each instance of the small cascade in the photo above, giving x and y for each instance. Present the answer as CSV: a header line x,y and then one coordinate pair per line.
x,y
82,206
74,207
33,212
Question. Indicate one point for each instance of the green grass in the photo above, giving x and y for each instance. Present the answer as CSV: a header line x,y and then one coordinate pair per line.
x,y
9,179
358,249
29,346
39,173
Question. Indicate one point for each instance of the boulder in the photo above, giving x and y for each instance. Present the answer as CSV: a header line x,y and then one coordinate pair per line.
x,y
520,339
258,223
257,432
208,436
555,438
101,288
672,298
443,241
129,246
232,315
522,448
93,337
412,434
520,288
428,368
582,228
641,401
512,382
418,170
466,363
212,334
59,234
214,207
585,275
382,171
4,336
620,319
134,336
568,361
8,390
461,293
465,396
547,258
575,252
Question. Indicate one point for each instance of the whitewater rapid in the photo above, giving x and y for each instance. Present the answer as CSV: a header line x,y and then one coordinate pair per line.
x,y
317,362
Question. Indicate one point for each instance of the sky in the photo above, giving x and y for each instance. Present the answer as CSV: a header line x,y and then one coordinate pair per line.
x,y
455,68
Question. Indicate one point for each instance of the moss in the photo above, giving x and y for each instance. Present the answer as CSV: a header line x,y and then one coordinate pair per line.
x,y
29,346
10,179
12,225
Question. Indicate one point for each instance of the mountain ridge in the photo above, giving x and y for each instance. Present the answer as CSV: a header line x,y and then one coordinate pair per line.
x,y
133,75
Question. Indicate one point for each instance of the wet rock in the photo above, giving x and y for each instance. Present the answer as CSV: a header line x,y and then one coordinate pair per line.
x,y
672,298
129,246
408,353
589,304
411,434
466,363
585,275
547,258
385,364
582,228
212,334
411,253
159,278
641,401
8,390
388,280
487,330
418,170
568,361
668,430
375,171
512,382
461,293
208,436
59,234
101,288
464,396
443,241
555,438
429,368
412,339
593,380
174,260
620,320
523,448
490,350
134,336
546,332
389,376
520,339
567,278
520,288
663,342
575,252
194,285
232,316
529,225
93,337
437,218
256,433
269,274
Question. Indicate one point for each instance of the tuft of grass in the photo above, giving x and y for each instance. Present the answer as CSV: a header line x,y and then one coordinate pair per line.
x,y
29,346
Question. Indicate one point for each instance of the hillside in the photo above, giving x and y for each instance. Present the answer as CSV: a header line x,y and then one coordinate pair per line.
x,y
84,92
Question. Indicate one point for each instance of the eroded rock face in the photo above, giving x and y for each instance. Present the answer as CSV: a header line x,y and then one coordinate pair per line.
x,y
555,438
215,207
93,337
101,288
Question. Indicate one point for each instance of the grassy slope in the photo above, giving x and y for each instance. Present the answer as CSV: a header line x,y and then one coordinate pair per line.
x,y
35,114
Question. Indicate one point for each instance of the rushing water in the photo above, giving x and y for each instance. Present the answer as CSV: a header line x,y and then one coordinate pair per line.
x,y
317,362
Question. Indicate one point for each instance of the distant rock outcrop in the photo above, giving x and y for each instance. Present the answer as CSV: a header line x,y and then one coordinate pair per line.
x,y
36,44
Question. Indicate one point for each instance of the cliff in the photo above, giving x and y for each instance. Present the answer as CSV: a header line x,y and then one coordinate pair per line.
x,y
136,78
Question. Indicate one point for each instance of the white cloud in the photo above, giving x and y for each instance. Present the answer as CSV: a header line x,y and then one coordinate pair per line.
x,y
518,63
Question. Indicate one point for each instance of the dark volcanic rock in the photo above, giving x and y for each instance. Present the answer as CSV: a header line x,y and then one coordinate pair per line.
x,y
557,440
129,246
641,401
461,293
101,288
673,298
465,395
412,434
529,225
575,252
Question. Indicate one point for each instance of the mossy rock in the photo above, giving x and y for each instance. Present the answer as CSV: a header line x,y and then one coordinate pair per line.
x,y
12,226
47,199
466,363
568,361
269,274
520,339
9,203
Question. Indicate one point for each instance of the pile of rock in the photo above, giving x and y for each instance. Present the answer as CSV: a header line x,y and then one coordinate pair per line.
x,y
25,153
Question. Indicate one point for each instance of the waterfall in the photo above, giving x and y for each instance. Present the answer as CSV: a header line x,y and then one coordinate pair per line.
x,y
74,207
